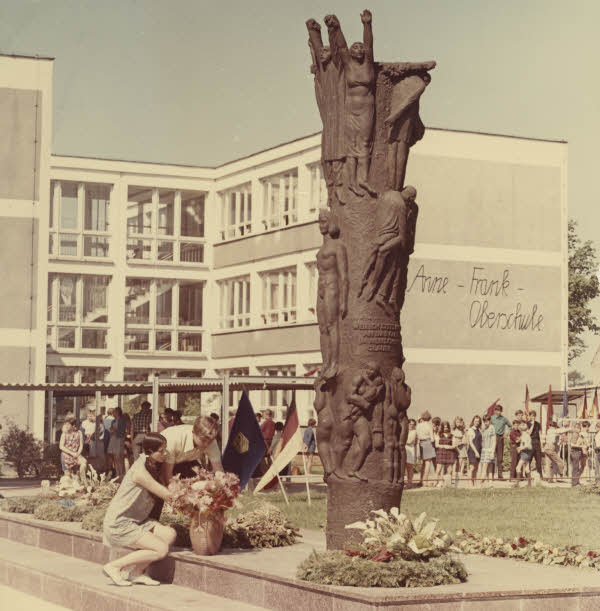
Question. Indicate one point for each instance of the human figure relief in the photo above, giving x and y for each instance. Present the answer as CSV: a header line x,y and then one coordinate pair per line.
x,y
330,91
325,424
332,293
384,276
364,404
404,125
395,425
359,74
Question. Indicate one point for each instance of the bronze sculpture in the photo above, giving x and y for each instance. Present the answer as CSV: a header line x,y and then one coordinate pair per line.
x,y
370,114
332,292
330,91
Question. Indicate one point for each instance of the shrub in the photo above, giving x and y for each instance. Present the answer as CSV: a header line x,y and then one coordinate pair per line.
x,y
339,569
22,504
53,511
94,519
22,450
263,527
51,466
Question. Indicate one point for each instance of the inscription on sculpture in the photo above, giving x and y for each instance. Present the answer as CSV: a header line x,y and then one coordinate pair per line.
x,y
378,336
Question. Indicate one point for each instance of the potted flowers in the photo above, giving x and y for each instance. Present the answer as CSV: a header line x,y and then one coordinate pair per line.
x,y
204,499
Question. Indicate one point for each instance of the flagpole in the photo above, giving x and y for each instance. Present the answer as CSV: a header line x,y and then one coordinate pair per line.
x,y
306,478
282,489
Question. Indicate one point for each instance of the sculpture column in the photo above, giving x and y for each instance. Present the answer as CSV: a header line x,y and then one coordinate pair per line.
x,y
370,114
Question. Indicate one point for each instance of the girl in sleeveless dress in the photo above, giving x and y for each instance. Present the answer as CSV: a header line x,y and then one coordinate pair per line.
x,y
474,449
411,451
127,520
71,447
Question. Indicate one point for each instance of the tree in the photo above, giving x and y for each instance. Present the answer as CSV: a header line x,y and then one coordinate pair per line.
x,y
583,287
576,378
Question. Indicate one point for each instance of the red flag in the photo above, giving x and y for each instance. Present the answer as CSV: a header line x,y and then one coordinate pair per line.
x,y
527,401
550,412
492,407
595,413
289,445
584,410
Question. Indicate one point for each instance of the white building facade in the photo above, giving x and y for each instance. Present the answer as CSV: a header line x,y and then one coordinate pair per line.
x,y
150,268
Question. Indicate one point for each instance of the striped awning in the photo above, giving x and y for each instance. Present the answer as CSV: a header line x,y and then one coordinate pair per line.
x,y
165,385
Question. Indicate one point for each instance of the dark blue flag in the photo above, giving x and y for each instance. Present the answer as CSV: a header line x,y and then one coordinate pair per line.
x,y
246,445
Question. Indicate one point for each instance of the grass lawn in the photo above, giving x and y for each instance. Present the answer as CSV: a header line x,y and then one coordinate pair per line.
x,y
558,516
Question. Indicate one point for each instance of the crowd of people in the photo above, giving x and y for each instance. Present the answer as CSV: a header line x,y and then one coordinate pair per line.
x,y
452,451
112,442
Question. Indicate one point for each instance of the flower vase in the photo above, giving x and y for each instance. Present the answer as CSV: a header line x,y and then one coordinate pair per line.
x,y
206,533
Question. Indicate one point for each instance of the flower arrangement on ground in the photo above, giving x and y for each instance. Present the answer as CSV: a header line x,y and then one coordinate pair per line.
x,y
395,552
204,499
520,548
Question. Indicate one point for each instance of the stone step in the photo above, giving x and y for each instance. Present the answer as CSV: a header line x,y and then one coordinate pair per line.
x,y
80,585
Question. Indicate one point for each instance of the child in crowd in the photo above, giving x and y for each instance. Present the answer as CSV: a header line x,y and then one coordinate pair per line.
x,y
488,451
459,440
425,437
411,451
445,453
514,439
525,453
474,450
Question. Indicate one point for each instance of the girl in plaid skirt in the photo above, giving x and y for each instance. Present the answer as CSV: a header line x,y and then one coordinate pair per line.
x,y
445,453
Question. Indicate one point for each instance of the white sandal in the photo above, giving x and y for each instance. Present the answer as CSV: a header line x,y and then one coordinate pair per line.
x,y
115,574
145,580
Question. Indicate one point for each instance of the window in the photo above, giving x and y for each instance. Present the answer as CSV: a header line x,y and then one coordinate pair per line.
x,y
79,219
317,196
280,200
190,304
234,302
77,312
154,322
236,212
277,398
154,232
279,296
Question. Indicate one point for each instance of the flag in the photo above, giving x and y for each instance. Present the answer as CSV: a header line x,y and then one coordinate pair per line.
x,y
550,411
289,445
246,445
492,407
583,411
527,401
565,401
594,413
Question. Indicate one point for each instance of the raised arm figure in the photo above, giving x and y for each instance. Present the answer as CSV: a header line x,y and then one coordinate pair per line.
x,y
330,94
359,114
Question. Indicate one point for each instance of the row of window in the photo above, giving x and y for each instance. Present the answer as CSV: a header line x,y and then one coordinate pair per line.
x,y
160,315
168,225
279,206
279,303
163,225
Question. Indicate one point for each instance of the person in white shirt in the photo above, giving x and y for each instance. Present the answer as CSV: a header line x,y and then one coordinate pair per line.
x,y
186,446
549,448
411,451
525,453
425,436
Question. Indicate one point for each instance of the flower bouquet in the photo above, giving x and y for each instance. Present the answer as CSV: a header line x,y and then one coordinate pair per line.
x,y
204,499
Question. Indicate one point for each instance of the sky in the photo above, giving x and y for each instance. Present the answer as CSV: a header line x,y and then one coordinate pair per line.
x,y
202,83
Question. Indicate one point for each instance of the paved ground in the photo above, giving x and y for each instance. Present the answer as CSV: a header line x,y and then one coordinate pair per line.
x,y
18,601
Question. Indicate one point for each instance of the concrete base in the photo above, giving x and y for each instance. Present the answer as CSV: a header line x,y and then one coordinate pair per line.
x,y
266,578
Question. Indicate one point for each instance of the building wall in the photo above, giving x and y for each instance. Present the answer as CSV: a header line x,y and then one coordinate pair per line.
x,y
25,125
485,309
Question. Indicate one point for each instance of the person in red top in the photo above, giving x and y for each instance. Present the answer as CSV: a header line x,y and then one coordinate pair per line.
x,y
268,427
